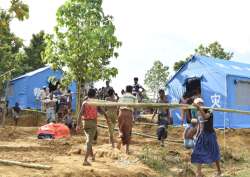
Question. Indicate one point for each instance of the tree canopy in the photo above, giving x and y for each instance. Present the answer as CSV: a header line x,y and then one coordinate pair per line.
x,y
212,50
11,45
156,77
33,53
84,41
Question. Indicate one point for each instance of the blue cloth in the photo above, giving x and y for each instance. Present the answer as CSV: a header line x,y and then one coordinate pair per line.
x,y
206,149
188,143
162,132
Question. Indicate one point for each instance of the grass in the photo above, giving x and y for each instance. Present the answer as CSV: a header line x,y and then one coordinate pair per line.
x,y
165,162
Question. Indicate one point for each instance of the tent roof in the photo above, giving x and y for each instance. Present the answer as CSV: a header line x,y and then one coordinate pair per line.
x,y
223,66
32,73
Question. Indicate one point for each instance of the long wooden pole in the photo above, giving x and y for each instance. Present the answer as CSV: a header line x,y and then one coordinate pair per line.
x,y
29,165
143,135
160,105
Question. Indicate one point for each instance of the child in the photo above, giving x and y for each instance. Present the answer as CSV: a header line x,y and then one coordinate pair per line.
x,y
15,112
163,118
125,118
88,119
189,134
68,120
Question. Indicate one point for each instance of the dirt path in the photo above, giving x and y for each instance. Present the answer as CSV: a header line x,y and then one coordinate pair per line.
x,y
65,155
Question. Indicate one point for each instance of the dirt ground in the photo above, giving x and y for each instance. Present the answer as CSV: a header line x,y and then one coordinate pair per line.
x,y
65,155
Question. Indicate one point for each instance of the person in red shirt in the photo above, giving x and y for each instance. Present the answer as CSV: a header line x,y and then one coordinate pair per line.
x,y
88,119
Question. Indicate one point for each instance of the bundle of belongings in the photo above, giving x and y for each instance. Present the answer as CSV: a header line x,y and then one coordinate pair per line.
x,y
53,131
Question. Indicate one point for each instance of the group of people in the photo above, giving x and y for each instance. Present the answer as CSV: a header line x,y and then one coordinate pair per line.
x,y
87,119
4,111
199,134
58,105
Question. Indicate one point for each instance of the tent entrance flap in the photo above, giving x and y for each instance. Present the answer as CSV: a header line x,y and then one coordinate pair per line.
x,y
193,86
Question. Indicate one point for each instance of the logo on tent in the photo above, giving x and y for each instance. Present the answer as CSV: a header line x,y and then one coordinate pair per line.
x,y
215,101
37,92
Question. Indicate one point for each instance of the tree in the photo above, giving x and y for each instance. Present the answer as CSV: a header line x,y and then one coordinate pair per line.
x,y
179,64
212,50
84,42
156,77
33,59
11,45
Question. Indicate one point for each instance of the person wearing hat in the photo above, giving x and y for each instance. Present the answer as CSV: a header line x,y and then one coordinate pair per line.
x,y
206,149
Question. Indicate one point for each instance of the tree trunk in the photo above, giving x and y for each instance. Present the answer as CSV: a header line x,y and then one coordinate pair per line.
x,y
78,102
4,117
5,99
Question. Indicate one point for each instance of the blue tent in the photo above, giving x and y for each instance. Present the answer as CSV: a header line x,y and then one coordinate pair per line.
x,y
23,89
223,84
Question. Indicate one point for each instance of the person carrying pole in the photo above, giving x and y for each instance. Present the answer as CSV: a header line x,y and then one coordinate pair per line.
x,y
206,149
87,119
112,115
125,118
163,118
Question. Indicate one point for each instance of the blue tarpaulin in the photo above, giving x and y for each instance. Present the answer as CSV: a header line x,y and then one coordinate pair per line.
x,y
23,89
224,84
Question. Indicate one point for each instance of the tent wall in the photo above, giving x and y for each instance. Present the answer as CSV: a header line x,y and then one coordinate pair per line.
x,y
17,92
213,88
176,85
22,89
37,81
223,84
238,98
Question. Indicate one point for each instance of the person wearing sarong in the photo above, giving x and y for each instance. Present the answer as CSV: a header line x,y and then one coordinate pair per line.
x,y
206,149
163,118
112,115
125,118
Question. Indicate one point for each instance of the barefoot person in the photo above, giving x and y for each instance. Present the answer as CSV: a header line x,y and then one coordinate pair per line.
x,y
125,118
111,115
88,119
206,149
163,118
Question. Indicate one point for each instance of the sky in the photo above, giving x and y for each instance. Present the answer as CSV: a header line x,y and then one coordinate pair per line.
x,y
165,30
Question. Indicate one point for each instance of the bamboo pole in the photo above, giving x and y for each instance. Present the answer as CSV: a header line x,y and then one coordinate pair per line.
x,y
161,105
32,110
29,165
143,135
